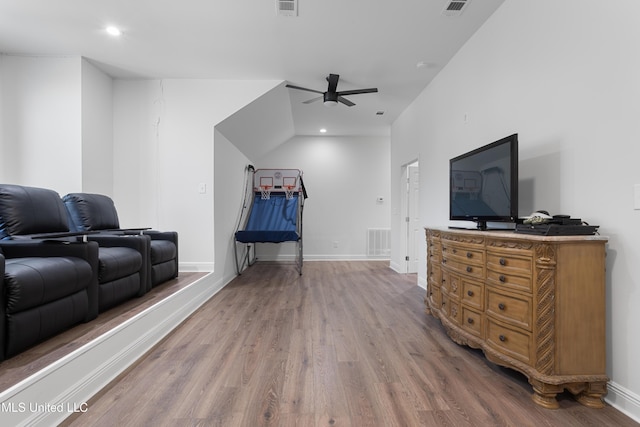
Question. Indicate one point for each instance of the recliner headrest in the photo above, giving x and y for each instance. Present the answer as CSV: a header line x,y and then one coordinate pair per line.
x,y
89,212
30,210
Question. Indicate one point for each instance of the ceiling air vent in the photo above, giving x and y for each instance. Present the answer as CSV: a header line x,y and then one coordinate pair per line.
x,y
455,7
287,7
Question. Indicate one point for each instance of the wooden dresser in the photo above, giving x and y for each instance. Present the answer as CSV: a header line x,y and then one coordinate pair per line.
x,y
531,303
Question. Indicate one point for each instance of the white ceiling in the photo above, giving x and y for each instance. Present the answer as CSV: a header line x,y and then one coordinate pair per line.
x,y
369,43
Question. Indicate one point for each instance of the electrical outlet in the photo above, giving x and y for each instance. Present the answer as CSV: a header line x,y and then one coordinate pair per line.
x,y
335,244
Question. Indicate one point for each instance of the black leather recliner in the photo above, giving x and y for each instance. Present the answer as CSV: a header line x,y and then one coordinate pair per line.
x,y
122,261
45,288
97,212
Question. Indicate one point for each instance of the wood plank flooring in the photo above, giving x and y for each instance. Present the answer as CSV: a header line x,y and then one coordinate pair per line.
x,y
346,344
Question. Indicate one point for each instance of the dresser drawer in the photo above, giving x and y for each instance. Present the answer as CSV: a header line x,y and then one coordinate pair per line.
x,y
509,264
511,308
471,321
445,304
455,311
509,281
463,255
451,284
433,252
509,341
472,294
435,273
467,269
435,298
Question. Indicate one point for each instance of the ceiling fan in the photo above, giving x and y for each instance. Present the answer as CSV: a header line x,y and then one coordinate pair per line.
x,y
331,97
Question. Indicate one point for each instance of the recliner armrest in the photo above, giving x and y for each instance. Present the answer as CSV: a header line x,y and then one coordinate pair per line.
x,y
50,248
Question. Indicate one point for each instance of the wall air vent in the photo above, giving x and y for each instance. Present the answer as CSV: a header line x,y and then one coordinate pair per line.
x,y
287,7
455,7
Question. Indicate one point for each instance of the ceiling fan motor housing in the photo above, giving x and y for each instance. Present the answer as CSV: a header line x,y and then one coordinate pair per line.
x,y
330,97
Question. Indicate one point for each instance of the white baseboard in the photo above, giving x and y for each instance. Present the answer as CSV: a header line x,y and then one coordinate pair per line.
x,y
196,266
343,257
422,282
62,388
623,400
396,267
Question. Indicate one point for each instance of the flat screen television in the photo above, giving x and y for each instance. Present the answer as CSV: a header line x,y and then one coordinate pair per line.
x,y
483,184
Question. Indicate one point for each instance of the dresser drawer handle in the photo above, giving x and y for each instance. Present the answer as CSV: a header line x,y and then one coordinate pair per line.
x,y
469,255
501,306
502,338
455,251
503,261
470,293
469,269
470,321
502,278
444,261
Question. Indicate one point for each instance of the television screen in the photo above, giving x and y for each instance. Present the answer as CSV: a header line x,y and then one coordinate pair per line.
x,y
484,183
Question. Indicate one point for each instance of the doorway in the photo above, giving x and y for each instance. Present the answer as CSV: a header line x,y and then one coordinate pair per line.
x,y
410,232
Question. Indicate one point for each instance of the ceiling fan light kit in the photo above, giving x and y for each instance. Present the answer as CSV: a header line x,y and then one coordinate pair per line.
x,y
332,97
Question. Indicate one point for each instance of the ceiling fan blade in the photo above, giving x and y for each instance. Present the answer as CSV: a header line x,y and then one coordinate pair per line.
x,y
357,91
345,101
312,100
333,82
303,88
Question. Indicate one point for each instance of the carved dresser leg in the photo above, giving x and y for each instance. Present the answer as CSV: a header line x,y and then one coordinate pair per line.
x,y
546,400
593,394
545,394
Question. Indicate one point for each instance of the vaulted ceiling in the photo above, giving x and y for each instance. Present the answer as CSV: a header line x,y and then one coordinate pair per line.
x,y
397,47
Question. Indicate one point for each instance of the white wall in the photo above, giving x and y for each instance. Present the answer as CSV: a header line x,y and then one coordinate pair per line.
x,y
2,130
97,130
343,177
41,117
164,151
229,166
566,77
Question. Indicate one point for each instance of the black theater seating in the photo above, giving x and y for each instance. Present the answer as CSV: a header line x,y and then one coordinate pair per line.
x,y
45,288
122,268
97,212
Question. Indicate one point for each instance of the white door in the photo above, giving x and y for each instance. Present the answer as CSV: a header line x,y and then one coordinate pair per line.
x,y
414,231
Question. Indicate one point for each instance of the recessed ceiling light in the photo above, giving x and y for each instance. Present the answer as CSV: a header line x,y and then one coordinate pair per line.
x,y
114,31
426,64
323,130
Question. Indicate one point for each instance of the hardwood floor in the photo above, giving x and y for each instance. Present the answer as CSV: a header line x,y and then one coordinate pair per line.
x,y
346,344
